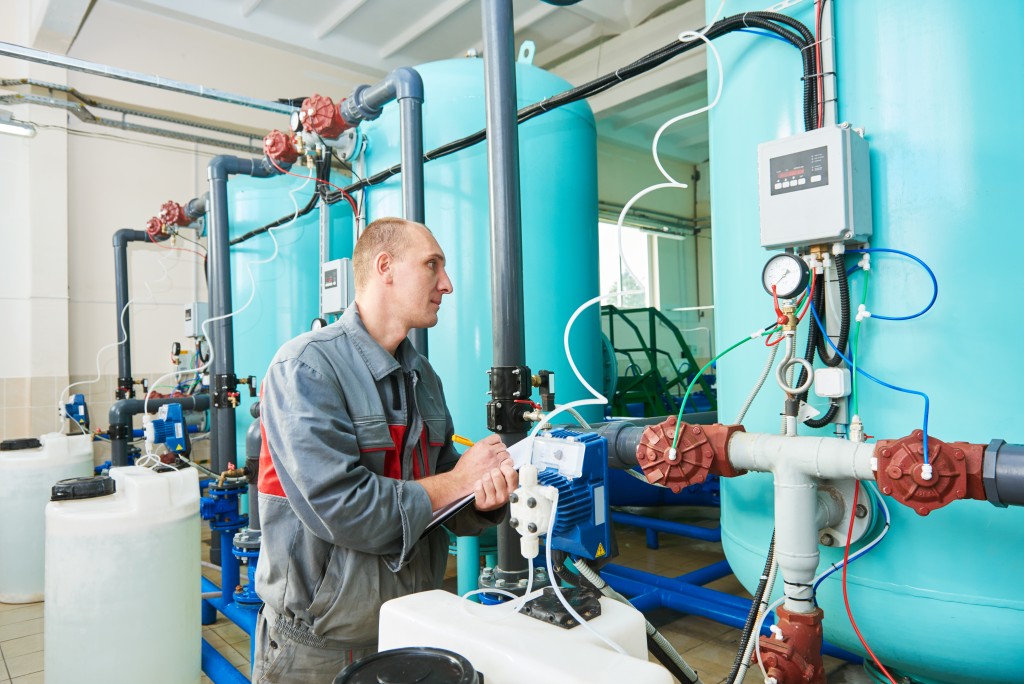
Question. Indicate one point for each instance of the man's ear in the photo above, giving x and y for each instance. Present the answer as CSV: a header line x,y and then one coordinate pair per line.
x,y
382,267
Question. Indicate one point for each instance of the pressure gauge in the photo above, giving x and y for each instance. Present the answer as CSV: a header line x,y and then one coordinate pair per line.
x,y
317,324
788,273
295,121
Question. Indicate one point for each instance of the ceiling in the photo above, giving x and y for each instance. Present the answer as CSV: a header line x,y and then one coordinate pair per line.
x,y
578,42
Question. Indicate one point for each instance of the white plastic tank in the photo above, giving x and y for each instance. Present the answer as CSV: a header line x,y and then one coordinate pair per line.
x,y
508,647
122,579
28,469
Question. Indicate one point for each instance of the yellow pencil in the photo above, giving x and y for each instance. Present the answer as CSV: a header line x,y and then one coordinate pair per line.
x,y
462,440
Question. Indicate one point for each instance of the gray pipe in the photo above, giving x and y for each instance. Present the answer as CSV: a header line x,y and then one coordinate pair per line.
x,y
365,104
195,209
122,412
508,329
1003,473
221,331
125,383
72,64
253,447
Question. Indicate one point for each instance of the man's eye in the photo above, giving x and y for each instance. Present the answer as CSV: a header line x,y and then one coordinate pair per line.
x,y
432,264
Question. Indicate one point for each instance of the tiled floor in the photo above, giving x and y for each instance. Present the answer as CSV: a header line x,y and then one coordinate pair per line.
x,y
707,646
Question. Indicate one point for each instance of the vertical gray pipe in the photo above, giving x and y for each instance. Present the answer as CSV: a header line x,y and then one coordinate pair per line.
x,y
508,333
121,275
410,112
222,448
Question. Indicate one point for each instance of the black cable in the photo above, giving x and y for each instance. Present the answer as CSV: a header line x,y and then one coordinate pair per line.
x,y
323,171
659,653
834,361
748,626
769,21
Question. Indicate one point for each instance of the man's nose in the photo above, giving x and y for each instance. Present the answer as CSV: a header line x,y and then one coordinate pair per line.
x,y
444,283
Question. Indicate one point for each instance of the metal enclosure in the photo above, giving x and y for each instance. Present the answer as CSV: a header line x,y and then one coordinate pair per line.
x,y
940,597
559,217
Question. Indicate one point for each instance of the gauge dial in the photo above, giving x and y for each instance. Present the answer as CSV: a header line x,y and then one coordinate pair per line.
x,y
317,323
788,273
295,121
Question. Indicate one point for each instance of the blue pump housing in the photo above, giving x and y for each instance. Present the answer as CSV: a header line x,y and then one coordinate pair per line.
x,y
582,522
171,430
77,411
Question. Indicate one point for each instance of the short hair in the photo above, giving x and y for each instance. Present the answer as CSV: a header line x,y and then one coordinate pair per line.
x,y
386,234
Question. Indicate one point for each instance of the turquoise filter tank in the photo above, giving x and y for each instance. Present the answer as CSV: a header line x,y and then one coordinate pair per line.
x,y
936,88
287,291
557,156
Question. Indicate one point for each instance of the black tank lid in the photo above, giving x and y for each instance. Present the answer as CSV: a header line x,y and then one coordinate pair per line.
x,y
76,488
19,444
410,666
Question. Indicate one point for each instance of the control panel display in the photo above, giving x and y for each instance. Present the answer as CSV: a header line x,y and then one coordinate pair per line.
x,y
799,170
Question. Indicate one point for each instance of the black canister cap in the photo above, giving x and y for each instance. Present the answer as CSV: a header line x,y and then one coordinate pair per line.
x,y
76,488
410,666
19,444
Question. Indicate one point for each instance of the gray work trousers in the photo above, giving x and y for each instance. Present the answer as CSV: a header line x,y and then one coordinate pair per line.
x,y
286,656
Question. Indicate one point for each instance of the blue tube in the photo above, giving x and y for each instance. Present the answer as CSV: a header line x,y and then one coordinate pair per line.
x,y
931,274
710,573
219,669
713,534
860,369
766,34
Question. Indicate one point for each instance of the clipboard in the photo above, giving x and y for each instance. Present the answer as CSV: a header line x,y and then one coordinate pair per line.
x,y
520,453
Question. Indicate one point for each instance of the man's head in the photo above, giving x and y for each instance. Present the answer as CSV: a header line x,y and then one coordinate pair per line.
x,y
399,267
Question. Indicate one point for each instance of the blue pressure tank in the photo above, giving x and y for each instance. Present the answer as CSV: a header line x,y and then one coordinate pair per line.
x,y
557,155
282,265
935,88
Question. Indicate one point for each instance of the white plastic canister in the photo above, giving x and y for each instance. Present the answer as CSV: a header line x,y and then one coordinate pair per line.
x,y
28,469
122,580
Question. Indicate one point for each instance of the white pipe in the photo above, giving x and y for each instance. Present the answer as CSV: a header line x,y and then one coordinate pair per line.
x,y
825,458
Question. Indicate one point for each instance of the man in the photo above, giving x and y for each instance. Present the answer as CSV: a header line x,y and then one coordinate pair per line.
x,y
357,453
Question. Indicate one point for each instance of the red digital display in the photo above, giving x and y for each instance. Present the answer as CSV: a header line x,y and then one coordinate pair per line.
x,y
789,174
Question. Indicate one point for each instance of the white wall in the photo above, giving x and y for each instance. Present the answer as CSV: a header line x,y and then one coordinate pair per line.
x,y
64,193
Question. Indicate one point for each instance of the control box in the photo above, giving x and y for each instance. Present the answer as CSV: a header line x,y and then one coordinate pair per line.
x,y
337,286
815,188
195,315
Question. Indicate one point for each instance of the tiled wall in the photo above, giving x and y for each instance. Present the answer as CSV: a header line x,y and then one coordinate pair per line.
x,y
28,408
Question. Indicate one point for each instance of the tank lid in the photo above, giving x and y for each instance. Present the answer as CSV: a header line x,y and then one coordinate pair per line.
x,y
19,444
410,666
83,488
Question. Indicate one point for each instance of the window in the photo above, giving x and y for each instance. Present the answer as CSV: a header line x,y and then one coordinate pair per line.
x,y
615,276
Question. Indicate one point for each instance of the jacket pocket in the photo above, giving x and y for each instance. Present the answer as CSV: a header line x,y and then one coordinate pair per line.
x,y
375,441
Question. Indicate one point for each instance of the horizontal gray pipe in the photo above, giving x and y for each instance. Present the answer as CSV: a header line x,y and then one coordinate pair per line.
x,y
122,412
72,64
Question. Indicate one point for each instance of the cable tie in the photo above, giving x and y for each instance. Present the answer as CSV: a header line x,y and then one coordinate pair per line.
x,y
745,20
815,75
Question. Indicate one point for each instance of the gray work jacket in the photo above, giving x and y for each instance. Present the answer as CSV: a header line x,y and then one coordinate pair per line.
x,y
347,430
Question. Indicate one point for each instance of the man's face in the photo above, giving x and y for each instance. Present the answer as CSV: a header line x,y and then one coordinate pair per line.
x,y
420,280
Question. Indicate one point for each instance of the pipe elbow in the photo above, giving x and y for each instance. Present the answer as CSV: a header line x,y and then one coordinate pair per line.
x,y
125,235
406,83
225,165
195,209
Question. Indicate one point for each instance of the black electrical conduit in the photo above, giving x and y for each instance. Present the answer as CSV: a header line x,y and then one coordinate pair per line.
x,y
774,22
816,340
748,626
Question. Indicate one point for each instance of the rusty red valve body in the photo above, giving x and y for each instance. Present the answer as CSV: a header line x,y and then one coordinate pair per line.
x,y
279,147
796,658
956,471
174,214
320,115
155,228
701,449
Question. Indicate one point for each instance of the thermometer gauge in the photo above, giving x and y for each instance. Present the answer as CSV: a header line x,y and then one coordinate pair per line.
x,y
788,273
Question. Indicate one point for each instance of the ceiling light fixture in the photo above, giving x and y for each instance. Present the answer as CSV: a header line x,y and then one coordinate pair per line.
x,y
11,126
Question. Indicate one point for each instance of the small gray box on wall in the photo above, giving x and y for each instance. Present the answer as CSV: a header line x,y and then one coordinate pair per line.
x,y
814,188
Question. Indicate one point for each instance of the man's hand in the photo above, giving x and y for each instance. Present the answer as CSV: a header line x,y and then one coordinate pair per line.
x,y
481,458
493,489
